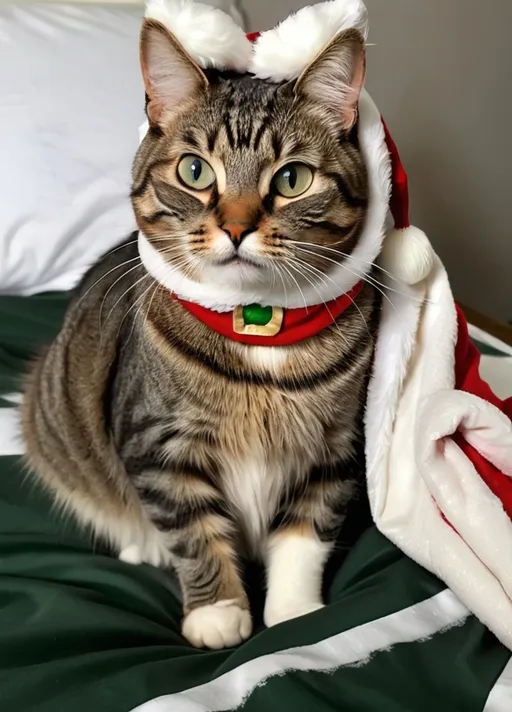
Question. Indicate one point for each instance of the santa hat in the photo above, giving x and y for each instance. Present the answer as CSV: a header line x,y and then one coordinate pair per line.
x,y
214,40
407,252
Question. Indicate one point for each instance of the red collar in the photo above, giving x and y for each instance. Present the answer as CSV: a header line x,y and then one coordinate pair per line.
x,y
283,327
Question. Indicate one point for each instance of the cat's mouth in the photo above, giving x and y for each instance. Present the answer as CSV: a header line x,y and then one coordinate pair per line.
x,y
237,261
235,270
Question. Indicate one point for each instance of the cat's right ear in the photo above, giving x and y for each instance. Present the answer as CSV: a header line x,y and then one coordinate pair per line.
x,y
336,77
171,77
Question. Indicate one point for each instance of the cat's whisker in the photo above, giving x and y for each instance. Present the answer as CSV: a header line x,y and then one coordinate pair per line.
x,y
120,247
170,250
123,295
364,278
125,274
170,236
340,253
283,283
335,323
273,273
134,320
367,277
123,264
298,285
328,277
155,292
342,264
119,266
321,280
162,252
291,264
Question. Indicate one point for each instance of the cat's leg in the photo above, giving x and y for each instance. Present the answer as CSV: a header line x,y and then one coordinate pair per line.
x,y
190,514
216,607
295,565
299,544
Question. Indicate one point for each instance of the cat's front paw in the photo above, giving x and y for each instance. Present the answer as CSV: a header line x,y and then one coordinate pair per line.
x,y
216,626
279,613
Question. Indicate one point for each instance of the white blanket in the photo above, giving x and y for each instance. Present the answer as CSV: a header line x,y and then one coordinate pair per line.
x,y
418,478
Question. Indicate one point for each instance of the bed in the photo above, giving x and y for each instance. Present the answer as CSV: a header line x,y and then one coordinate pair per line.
x,y
81,630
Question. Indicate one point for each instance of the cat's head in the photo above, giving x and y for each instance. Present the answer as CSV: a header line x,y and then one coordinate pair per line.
x,y
249,188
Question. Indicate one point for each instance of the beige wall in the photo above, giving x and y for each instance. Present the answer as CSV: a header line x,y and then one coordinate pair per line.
x,y
441,73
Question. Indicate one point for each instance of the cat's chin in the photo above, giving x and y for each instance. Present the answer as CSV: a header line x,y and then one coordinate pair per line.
x,y
237,273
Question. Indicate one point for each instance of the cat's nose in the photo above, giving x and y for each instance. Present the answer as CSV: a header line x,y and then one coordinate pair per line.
x,y
237,231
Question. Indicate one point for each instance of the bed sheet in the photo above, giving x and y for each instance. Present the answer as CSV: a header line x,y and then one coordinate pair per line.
x,y
82,630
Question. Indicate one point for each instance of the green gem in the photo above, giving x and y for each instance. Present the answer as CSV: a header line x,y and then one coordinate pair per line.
x,y
256,314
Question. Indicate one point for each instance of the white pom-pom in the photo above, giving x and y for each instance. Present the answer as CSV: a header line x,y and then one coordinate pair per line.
x,y
210,36
284,52
407,254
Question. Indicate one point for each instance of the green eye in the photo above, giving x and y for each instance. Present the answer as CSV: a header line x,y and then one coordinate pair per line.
x,y
293,179
195,173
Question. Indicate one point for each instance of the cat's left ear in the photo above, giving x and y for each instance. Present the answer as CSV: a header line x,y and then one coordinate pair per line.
x,y
336,77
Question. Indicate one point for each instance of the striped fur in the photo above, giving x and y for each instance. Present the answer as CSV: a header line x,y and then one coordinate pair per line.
x,y
177,445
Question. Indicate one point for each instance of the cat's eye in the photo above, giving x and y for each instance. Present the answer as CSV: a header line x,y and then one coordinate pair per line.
x,y
196,173
293,179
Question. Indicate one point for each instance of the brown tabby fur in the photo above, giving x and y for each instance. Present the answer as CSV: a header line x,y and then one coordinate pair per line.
x,y
153,429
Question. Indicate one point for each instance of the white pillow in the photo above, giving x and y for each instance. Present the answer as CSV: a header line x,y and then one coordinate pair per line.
x,y
71,99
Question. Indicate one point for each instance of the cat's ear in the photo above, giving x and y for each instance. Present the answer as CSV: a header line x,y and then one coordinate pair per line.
x,y
336,77
171,77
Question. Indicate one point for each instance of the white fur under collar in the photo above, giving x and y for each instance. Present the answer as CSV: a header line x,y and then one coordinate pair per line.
x,y
222,297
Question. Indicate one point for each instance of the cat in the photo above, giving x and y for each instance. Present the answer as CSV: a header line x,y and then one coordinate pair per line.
x,y
179,446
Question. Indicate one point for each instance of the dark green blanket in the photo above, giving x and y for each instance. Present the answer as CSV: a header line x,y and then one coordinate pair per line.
x,y
81,631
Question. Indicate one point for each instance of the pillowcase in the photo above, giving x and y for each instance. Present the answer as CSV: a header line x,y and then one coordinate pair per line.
x,y
71,98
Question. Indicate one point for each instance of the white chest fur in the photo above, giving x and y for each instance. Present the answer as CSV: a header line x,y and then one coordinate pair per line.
x,y
254,488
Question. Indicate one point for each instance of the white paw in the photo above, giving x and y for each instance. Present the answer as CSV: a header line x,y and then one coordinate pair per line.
x,y
275,614
131,555
217,626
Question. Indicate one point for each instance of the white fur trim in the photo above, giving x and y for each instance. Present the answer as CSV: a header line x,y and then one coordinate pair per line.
x,y
415,471
407,254
213,38
284,52
209,35
222,295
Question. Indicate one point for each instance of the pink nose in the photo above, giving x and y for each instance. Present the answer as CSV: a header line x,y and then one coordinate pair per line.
x,y
237,231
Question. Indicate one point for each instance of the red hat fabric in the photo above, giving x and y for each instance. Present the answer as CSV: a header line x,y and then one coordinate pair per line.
x,y
399,200
407,253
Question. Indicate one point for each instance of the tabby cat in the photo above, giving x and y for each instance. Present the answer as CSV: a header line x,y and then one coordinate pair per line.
x,y
181,447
